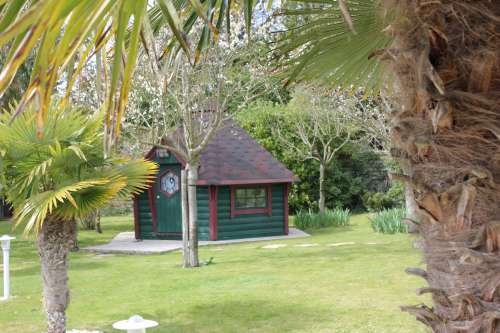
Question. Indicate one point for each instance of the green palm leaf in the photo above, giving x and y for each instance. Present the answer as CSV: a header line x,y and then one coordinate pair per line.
x,y
35,209
62,33
322,46
63,173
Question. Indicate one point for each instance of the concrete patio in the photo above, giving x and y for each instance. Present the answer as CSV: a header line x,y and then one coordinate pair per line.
x,y
126,243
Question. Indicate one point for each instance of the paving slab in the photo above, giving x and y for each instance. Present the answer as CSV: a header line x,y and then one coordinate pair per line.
x,y
274,246
307,245
342,244
126,243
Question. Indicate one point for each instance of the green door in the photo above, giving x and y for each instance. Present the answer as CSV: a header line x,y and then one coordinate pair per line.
x,y
168,200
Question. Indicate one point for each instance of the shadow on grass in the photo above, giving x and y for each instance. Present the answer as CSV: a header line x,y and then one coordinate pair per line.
x,y
74,265
239,316
330,230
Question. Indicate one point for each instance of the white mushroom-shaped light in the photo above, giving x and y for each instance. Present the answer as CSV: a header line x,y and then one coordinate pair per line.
x,y
135,324
5,241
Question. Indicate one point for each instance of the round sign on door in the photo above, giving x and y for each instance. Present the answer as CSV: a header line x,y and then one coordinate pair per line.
x,y
169,183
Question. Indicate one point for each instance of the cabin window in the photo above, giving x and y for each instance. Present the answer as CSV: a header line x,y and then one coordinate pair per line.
x,y
250,200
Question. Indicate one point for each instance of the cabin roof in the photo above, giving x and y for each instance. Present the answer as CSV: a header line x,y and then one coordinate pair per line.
x,y
233,157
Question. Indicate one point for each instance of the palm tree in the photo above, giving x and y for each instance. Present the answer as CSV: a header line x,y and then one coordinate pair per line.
x,y
443,57
53,180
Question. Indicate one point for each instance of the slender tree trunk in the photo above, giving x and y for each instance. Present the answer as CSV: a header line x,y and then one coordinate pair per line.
x,y
410,203
185,220
98,227
193,215
99,86
55,240
446,58
92,221
321,203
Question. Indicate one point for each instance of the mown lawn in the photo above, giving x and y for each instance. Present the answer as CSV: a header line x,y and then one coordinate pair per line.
x,y
322,288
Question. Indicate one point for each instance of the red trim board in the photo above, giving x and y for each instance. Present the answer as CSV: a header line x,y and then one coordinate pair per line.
x,y
246,181
213,199
152,152
137,227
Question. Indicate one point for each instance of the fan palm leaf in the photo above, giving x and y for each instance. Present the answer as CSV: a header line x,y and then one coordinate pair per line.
x,y
321,45
65,33
63,173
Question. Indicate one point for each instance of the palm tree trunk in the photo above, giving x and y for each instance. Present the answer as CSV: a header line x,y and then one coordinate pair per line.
x,y
447,63
321,188
55,240
193,215
98,227
185,220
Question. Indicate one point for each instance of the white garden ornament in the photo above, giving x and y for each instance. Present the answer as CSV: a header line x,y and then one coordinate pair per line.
x,y
5,240
135,324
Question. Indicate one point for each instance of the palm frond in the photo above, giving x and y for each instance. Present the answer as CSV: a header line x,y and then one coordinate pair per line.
x,y
64,173
64,33
322,46
137,175
35,209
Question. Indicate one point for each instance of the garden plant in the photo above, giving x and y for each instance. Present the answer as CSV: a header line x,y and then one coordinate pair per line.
x,y
389,221
54,178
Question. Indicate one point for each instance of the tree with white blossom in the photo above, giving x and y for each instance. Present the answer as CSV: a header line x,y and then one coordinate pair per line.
x,y
186,110
322,126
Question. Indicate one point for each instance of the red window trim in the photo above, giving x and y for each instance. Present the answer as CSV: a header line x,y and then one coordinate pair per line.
x,y
266,210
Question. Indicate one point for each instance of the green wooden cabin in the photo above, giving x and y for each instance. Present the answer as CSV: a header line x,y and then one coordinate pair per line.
x,y
242,192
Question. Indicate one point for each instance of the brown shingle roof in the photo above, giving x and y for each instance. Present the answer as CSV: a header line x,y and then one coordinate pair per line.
x,y
234,157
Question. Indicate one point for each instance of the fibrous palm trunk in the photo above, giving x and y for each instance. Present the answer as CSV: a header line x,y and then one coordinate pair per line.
x,y
446,57
55,240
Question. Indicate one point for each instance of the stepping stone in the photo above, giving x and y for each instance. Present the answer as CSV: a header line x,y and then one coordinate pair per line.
x,y
307,245
274,246
341,244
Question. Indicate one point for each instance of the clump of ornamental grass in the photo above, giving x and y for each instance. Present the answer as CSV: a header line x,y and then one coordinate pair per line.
x,y
307,219
389,221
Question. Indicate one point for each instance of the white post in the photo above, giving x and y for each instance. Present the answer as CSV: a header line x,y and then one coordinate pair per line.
x,y
5,240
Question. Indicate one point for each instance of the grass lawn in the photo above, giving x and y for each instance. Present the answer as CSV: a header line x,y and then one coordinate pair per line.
x,y
322,288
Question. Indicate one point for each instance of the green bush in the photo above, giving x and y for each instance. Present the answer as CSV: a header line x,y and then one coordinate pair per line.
x,y
377,201
306,219
353,171
388,221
